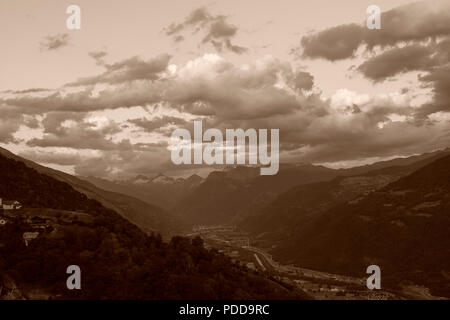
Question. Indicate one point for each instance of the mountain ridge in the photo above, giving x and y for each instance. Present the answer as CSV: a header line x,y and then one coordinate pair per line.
x,y
401,226
147,216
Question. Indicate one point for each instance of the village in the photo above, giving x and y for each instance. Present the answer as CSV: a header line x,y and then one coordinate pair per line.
x,y
35,221
12,210
236,244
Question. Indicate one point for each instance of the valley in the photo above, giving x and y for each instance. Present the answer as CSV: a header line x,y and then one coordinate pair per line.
x,y
312,239
319,285
238,245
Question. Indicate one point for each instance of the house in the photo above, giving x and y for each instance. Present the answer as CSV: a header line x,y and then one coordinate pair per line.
x,y
28,236
10,204
38,222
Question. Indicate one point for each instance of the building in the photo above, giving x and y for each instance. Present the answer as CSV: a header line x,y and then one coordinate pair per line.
x,y
38,222
214,228
28,236
10,204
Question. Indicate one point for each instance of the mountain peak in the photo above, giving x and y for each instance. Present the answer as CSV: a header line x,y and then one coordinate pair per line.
x,y
162,179
141,179
194,177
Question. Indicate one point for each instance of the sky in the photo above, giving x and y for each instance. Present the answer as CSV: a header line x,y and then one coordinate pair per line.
x,y
103,100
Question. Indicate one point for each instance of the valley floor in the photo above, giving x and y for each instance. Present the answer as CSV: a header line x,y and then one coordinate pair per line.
x,y
319,285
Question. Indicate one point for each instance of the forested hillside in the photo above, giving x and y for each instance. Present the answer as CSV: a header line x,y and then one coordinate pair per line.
x,y
402,227
118,261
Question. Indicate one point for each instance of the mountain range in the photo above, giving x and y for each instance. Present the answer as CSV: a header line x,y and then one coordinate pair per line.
x,y
149,217
231,195
396,217
117,259
160,190
391,213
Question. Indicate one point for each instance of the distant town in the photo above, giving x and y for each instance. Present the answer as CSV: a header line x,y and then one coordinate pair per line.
x,y
236,244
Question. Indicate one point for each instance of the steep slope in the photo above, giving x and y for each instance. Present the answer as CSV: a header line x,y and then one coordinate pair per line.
x,y
117,259
146,216
402,227
297,209
232,195
225,196
411,162
301,205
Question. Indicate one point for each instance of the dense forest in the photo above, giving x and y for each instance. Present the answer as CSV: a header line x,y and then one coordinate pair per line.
x,y
118,261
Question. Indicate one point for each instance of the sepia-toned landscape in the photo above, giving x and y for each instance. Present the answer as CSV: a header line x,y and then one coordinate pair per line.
x,y
227,150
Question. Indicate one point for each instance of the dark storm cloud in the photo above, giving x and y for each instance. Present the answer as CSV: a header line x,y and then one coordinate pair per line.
x,y
413,22
55,42
218,31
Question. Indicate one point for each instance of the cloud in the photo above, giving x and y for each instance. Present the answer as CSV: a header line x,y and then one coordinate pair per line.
x,y
398,60
30,90
412,38
259,89
217,30
431,59
124,163
336,43
264,93
303,80
439,80
126,70
178,38
62,157
55,42
157,123
412,22
199,16
98,57
9,124
201,87
87,99
77,130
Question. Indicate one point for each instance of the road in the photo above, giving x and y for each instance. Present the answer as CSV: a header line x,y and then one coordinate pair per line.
x,y
272,265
